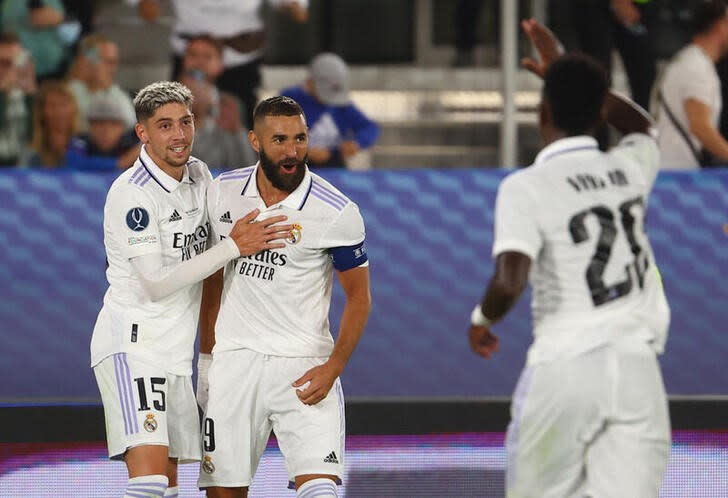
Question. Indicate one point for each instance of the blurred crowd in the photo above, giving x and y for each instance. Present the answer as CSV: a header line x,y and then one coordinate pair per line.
x,y
61,105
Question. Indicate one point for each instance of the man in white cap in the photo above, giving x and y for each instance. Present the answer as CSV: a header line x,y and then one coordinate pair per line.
x,y
337,129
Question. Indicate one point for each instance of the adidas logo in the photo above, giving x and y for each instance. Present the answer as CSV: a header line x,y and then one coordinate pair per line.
x,y
225,218
175,216
331,458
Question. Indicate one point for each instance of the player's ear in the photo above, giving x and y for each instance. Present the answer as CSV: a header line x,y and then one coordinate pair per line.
x,y
253,138
141,133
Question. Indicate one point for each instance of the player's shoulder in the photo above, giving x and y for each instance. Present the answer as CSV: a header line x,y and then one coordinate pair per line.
x,y
234,175
638,153
326,196
198,171
133,179
523,179
640,148
234,180
134,183
636,141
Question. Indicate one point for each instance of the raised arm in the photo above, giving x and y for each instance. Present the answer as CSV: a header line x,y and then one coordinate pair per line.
x,y
619,111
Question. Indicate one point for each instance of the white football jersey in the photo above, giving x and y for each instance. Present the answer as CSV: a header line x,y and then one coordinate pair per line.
x,y
578,213
276,302
149,212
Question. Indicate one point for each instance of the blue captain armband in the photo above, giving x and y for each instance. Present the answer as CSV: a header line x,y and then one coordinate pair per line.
x,y
348,257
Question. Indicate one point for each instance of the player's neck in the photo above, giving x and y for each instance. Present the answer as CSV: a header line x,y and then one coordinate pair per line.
x,y
267,191
549,135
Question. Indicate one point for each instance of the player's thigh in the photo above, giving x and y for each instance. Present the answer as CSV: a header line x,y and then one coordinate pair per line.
x,y
134,395
183,420
554,413
629,457
235,428
311,437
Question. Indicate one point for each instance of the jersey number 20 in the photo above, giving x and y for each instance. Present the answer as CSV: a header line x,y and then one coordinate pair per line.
x,y
600,292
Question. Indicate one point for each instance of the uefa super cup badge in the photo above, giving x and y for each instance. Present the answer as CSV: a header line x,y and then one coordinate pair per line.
x,y
150,424
295,236
207,465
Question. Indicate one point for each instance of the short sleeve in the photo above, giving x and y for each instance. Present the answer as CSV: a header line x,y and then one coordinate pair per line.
x,y
642,149
700,88
516,224
132,220
345,239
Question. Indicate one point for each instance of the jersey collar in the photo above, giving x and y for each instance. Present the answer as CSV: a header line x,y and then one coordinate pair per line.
x,y
294,200
165,181
566,146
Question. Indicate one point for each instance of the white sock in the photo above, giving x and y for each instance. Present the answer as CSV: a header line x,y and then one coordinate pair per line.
x,y
317,487
146,487
172,492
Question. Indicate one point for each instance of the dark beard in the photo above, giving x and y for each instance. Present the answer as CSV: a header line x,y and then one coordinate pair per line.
x,y
272,171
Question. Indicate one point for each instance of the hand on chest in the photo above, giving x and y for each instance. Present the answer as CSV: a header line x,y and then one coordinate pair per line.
x,y
288,263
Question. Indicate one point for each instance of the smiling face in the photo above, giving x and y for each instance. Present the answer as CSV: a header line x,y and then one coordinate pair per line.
x,y
168,135
282,145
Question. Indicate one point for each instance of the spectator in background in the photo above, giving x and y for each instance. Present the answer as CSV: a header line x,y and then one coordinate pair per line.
x,y
337,129
221,140
83,11
238,25
17,86
109,144
55,121
204,53
467,13
689,101
92,76
597,27
42,29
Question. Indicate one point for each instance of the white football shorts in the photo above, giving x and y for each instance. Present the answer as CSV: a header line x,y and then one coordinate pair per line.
x,y
593,425
144,405
250,395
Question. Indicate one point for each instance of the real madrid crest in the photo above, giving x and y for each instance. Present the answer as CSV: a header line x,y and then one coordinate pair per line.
x,y
207,465
295,237
150,424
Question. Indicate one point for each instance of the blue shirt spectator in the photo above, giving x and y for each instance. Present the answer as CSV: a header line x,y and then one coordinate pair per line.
x,y
337,129
109,144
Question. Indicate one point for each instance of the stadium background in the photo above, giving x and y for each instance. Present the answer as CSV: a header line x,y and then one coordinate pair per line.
x,y
422,411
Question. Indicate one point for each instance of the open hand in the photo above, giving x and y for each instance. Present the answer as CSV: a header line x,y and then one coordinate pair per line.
x,y
546,44
252,237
